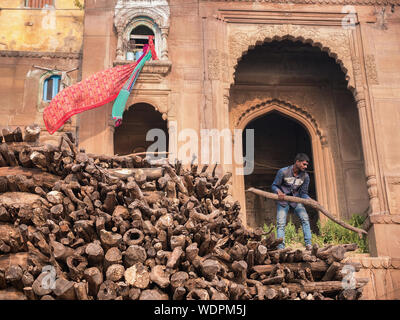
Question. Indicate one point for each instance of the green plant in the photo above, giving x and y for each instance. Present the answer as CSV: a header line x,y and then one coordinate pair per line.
x,y
329,233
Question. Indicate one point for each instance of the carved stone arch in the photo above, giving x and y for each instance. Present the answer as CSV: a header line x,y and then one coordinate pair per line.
x,y
126,17
156,103
127,11
149,102
325,178
335,42
254,110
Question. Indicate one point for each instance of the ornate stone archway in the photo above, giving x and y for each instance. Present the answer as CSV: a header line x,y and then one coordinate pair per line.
x,y
335,42
344,45
322,155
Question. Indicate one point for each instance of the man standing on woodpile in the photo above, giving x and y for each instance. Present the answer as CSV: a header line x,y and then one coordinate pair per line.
x,y
293,181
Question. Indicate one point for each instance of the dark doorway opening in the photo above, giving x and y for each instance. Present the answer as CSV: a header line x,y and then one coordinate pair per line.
x,y
130,137
277,140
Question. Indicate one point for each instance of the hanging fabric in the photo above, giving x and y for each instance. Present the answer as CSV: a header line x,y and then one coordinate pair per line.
x,y
95,91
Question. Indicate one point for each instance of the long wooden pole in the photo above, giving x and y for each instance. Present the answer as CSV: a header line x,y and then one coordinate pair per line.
x,y
308,202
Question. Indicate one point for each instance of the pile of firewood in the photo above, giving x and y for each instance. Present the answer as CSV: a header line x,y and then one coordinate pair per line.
x,y
81,226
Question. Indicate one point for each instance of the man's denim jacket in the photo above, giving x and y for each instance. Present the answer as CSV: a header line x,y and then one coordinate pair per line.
x,y
291,185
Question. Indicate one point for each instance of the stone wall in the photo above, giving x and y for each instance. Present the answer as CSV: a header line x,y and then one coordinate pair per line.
x,y
383,274
35,44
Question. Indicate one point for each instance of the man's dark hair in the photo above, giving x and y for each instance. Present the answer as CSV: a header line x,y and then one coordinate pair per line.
x,y
301,157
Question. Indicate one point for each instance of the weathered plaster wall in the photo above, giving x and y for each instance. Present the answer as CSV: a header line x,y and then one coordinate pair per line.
x,y
58,29
49,38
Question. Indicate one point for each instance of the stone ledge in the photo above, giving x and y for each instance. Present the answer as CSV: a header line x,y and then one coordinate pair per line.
x,y
379,218
375,262
161,67
36,54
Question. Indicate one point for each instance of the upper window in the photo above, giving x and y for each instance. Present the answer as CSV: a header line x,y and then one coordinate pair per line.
x,y
51,87
138,37
39,4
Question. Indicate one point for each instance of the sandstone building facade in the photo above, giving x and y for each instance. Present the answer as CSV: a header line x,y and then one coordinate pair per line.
x,y
315,76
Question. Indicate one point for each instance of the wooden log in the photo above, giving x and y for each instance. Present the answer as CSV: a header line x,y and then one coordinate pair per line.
x,y
331,272
271,293
20,258
110,239
137,276
113,256
32,133
240,270
309,202
61,252
159,276
76,265
12,294
176,179
95,253
324,287
81,290
8,155
173,260
153,294
115,272
65,290
107,291
29,293
17,134
43,285
8,135
133,237
318,266
94,278
134,254
348,294
179,293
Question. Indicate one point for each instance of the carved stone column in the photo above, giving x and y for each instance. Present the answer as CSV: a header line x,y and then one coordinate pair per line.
x,y
366,139
164,50
369,161
120,44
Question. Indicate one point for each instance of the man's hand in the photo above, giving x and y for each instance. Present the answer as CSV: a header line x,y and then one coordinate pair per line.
x,y
281,195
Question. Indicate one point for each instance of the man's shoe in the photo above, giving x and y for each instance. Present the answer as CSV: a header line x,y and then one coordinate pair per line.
x,y
308,247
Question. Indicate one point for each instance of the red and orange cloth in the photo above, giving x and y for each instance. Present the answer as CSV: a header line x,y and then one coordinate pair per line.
x,y
92,92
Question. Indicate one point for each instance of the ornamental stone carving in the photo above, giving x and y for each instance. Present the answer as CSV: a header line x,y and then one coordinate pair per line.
x,y
213,64
370,66
263,101
126,11
336,42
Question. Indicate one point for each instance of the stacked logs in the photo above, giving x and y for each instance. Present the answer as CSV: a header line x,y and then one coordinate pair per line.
x,y
80,226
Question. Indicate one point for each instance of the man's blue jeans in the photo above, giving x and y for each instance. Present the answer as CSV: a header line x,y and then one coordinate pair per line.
x,y
281,216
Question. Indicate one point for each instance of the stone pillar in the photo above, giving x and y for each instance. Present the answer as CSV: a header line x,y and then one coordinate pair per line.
x,y
164,46
383,228
120,45
99,45
367,149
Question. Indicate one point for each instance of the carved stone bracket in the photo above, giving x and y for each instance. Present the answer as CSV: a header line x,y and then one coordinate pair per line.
x,y
334,41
